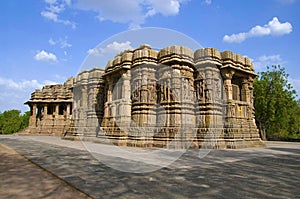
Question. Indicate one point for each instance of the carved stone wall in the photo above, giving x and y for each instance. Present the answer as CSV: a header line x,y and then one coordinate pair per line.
x,y
177,102
174,98
88,102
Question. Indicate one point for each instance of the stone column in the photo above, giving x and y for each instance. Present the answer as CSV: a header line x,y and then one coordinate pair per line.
x,y
209,82
250,87
126,85
251,110
107,102
109,92
84,97
83,108
245,91
34,110
227,75
56,109
32,120
109,97
124,108
68,110
74,107
39,115
45,109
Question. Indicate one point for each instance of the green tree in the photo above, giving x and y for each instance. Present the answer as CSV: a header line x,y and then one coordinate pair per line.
x,y
25,120
298,119
12,121
275,105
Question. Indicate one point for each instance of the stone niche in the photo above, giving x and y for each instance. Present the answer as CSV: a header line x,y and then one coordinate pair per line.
x,y
172,98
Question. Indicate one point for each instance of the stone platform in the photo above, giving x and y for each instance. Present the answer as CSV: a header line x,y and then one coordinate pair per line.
x,y
270,172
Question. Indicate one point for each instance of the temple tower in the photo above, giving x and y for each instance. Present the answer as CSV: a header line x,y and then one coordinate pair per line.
x,y
176,97
210,98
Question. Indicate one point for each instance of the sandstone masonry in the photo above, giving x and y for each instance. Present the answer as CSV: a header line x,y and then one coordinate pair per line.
x,y
51,109
174,98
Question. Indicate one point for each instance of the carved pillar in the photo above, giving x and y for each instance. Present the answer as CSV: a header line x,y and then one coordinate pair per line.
x,y
45,109
39,115
143,95
227,75
84,102
68,110
126,93
34,110
108,100
105,110
56,109
32,120
91,98
209,85
250,87
109,91
126,85
199,86
245,91
74,107
251,101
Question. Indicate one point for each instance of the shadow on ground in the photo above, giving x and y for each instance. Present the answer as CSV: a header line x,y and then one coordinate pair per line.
x,y
252,173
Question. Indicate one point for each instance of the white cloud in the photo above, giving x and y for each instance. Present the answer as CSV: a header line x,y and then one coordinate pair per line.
x,y
270,58
54,8
118,47
45,56
50,1
13,93
263,61
164,7
21,85
52,42
207,2
114,47
65,44
237,38
133,12
94,51
50,15
274,27
62,42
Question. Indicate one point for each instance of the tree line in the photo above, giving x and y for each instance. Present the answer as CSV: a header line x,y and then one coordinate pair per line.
x,y
13,121
277,111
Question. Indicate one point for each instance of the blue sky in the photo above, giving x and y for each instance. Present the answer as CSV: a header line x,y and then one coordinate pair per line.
x,y
47,41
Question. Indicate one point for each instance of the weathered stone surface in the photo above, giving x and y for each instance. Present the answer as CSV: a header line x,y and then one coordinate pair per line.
x,y
171,98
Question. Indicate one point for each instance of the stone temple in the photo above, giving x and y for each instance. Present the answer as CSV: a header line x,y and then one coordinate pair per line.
x,y
173,98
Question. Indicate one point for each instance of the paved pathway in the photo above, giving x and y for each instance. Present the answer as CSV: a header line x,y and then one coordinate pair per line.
x,y
272,172
19,178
